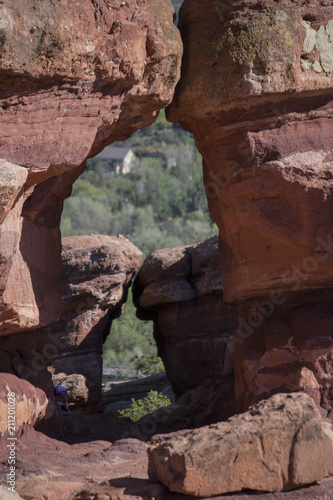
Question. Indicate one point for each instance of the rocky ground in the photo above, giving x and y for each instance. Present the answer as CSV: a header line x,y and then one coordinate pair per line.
x,y
95,459
101,466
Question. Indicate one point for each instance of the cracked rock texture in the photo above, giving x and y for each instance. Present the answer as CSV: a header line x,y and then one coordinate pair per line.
x,y
279,444
256,91
180,289
75,76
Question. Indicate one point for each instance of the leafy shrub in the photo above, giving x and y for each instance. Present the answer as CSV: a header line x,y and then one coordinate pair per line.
x,y
139,408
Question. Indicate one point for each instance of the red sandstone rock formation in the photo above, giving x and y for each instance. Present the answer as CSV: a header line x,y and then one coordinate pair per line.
x,y
21,405
181,290
96,274
279,444
75,77
105,468
256,91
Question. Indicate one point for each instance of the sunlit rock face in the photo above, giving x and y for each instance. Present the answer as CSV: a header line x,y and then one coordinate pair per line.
x,y
279,444
75,76
256,91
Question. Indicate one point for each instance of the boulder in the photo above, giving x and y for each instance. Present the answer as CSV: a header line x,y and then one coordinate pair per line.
x,y
279,444
181,290
21,405
256,92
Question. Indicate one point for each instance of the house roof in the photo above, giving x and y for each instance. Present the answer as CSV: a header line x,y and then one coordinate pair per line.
x,y
113,153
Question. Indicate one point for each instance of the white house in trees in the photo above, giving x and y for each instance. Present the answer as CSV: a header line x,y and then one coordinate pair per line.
x,y
120,160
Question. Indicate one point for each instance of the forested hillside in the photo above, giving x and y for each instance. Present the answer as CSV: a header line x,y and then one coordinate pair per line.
x,y
160,203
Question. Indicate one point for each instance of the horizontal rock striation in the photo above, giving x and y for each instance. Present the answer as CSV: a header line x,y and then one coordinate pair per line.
x,y
256,91
181,290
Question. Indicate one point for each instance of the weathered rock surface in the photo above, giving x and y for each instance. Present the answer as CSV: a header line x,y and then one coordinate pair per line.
x,y
181,290
103,465
94,71
300,363
21,405
279,444
96,274
256,92
30,248
266,160
75,77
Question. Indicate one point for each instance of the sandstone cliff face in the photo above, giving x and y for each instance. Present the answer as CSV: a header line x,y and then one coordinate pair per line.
x,y
75,77
181,290
256,91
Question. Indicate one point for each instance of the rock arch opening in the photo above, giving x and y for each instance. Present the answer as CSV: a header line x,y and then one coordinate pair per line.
x,y
256,92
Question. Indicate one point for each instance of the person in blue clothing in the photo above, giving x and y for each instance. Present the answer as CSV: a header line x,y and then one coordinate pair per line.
x,y
60,394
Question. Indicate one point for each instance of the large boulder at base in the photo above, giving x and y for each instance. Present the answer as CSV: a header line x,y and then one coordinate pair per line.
x,y
75,76
279,444
256,91
181,290
21,405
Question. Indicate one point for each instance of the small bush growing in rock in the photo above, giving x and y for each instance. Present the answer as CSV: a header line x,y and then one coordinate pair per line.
x,y
139,408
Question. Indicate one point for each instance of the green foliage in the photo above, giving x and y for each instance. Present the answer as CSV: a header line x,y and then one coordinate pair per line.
x,y
150,363
130,346
139,408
